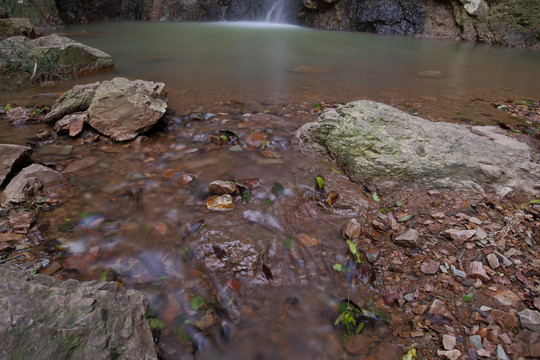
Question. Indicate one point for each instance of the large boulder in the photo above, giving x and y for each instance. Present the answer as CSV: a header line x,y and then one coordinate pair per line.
x,y
17,27
43,317
29,181
123,109
53,57
12,157
374,140
119,108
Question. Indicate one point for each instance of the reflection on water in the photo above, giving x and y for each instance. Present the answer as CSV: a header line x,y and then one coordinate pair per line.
x,y
127,215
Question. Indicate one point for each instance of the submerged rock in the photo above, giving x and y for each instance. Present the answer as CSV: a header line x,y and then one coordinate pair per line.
x,y
374,140
11,158
44,317
24,61
30,180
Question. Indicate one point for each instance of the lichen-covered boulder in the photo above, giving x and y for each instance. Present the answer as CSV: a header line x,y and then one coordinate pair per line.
x,y
46,318
24,61
74,100
374,140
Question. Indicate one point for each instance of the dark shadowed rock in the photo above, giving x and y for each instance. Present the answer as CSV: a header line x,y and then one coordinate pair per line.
x,y
29,181
42,13
53,57
123,109
12,157
17,27
43,317
374,140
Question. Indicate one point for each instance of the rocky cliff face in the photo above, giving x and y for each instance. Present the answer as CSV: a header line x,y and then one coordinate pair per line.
x,y
498,22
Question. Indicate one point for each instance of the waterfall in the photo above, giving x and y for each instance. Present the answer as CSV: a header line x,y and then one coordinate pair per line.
x,y
276,14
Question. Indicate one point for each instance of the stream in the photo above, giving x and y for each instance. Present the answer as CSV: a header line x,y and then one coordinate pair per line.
x,y
255,282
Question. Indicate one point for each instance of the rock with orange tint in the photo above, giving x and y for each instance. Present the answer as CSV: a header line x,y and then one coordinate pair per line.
x,y
220,203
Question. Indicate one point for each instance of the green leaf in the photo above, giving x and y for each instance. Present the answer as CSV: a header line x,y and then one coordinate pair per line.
x,y
406,218
376,197
337,267
266,111
224,138
196,302
468,297
246,196
8,107
535,201
352,247
156,323
399,203
320,182
502,107
410,355
269,201
103,276
335,171
288,243
277,189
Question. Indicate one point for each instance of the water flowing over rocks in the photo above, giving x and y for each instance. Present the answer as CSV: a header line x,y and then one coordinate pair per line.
x,y
119,108
52,57
373,140
43,317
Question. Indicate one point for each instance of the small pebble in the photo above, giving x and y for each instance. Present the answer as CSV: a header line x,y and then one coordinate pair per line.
x,y
493,261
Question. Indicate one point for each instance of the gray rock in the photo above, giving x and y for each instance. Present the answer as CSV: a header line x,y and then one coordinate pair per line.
x,y
43,317
408,238
76,99
458,272
123,109
501,354
53,57
374,140
476,341
17,27
530,319
493,261
30,180
12,157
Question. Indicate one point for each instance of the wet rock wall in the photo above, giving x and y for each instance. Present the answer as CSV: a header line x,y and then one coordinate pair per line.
x,y
497,22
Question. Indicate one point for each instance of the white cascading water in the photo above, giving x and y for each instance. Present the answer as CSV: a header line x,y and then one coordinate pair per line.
x,y
276,14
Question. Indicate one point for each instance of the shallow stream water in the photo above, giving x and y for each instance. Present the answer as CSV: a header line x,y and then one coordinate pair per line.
x,y
129,215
